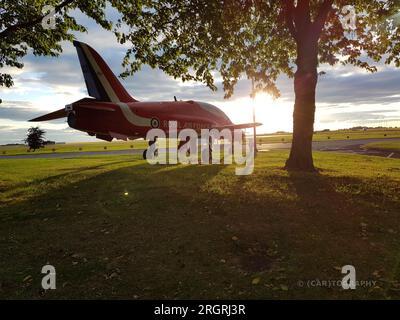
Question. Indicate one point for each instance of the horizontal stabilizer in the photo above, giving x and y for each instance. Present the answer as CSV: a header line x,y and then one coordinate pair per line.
x,y
51,116
239,126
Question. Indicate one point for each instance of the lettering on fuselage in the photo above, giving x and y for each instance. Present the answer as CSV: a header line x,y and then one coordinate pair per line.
x,y
187,125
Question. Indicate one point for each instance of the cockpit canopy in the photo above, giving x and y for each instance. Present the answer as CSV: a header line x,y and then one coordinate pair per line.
x,y
214,110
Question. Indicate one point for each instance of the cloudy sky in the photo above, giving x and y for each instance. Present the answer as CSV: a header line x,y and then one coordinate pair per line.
x,y
346,96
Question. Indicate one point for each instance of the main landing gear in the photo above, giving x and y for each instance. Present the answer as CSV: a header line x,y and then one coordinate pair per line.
x,y
201,145
151,142
180,144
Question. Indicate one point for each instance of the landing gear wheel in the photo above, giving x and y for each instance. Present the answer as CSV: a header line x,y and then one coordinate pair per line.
x,y
151,142
145,154
182,143
210,150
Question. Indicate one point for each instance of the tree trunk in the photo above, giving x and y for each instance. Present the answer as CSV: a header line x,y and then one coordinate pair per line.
x,y
305,83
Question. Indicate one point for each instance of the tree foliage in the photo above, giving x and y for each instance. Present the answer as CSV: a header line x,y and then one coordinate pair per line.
x,y
35,138
194,39
21,29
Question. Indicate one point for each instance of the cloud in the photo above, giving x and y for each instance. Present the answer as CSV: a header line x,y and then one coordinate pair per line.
x,y
363,116
16,110
360,88
16,134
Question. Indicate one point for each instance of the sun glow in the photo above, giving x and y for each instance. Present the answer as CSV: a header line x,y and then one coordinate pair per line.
x,y
275,115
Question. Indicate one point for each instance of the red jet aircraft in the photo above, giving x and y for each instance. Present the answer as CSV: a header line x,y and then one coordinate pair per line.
x,y
113,113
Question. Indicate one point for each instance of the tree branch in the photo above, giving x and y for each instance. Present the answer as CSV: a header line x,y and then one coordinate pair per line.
x,y
5,33
288,10
323,13
302,15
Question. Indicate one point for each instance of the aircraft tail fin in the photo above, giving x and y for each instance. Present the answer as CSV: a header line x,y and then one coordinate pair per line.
x,y
101,82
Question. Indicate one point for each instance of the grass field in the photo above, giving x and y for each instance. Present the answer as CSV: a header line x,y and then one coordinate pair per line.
x,y
336,135
116,227
140,144
75,147
386,146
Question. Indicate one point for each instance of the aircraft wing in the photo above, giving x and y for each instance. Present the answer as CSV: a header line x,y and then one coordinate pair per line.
x,y
239,126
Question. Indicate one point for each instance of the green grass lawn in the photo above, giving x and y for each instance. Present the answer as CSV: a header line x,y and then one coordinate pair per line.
x,y
116,227
387,146
75,147
141,144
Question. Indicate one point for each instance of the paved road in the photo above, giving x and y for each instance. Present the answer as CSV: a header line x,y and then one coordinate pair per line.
x,y
347,146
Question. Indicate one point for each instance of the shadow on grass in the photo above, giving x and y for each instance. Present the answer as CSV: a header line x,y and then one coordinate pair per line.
x,y
135,213
197,232
68,172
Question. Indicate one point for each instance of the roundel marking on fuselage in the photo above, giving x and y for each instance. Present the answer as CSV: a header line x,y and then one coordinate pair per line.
x,y
155,123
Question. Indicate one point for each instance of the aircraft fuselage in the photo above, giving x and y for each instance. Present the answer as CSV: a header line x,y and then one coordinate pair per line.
x,y
134,119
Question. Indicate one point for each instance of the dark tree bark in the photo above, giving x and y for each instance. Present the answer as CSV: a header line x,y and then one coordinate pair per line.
x,y
305,83
306,34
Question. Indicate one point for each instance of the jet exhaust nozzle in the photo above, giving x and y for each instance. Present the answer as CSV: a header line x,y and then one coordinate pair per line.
x,y
71,120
